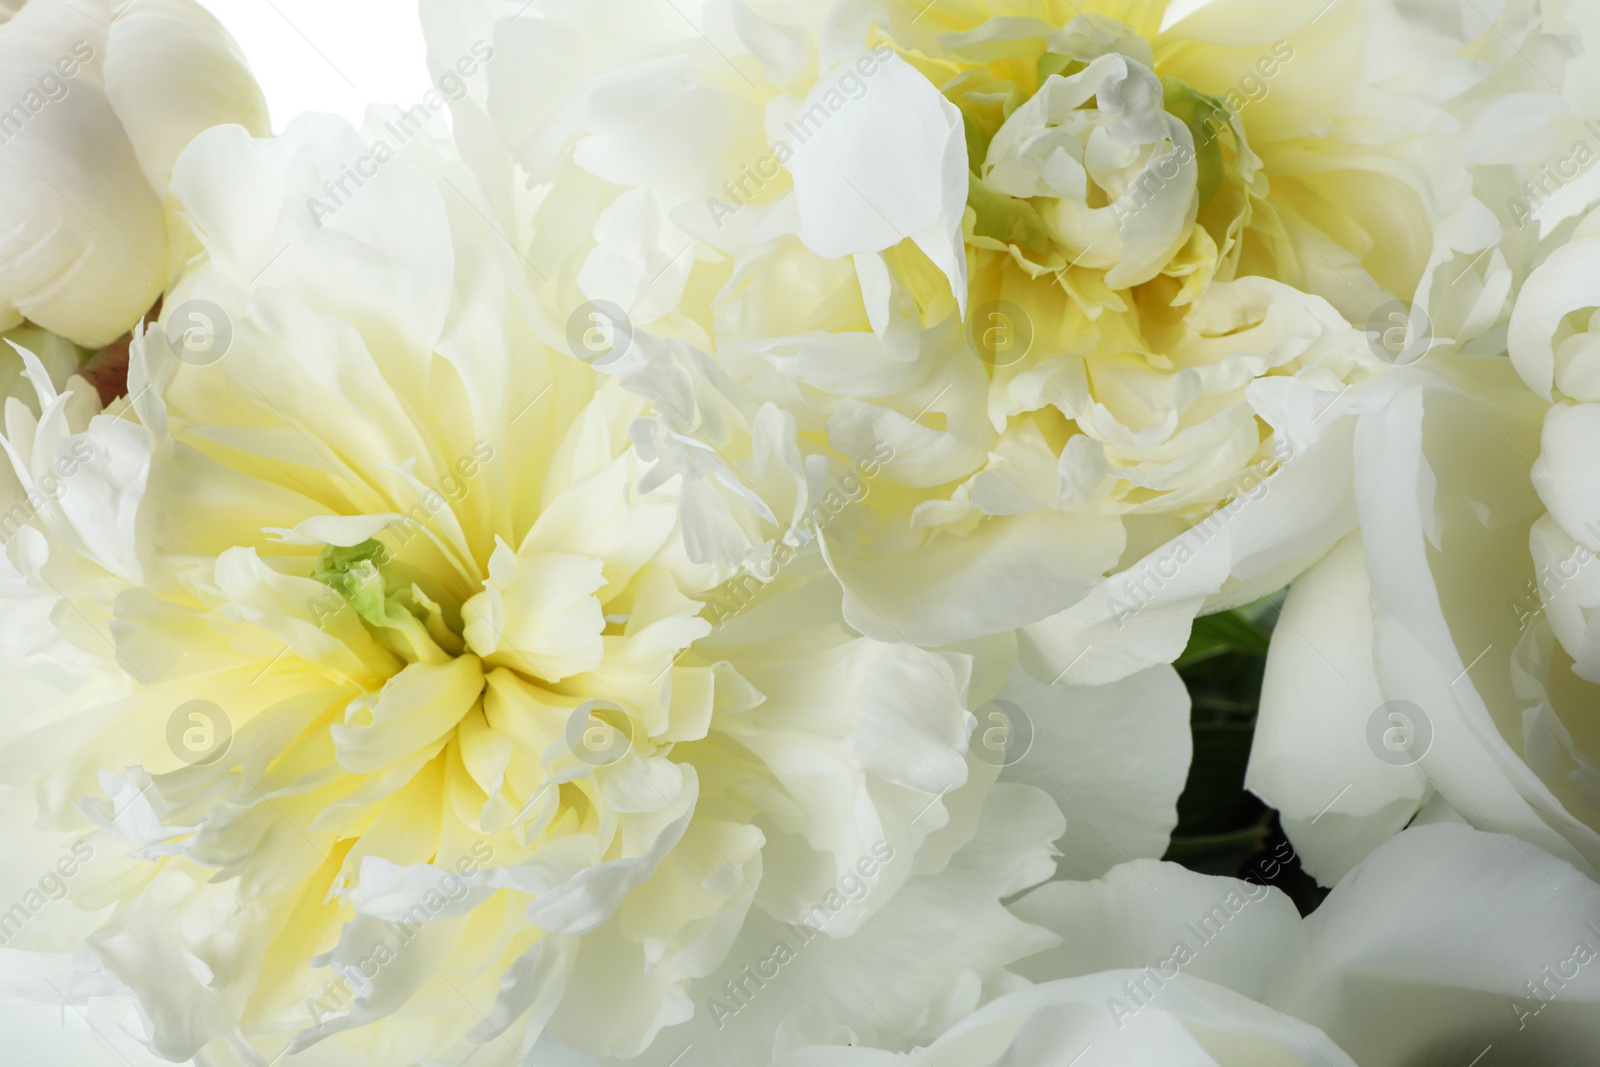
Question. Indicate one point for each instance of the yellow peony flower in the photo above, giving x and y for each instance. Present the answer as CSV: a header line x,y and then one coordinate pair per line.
x,y
1090,274
364,650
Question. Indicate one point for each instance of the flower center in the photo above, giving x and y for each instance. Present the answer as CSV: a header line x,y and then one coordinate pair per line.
x,y
400,616
1096,175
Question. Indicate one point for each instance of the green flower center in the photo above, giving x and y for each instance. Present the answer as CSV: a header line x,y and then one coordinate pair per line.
x,y
398,614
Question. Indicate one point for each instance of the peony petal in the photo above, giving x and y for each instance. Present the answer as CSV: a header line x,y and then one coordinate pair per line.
x,y
415,709
1117,809
83,241
1311,757
171,73
884,167
1009,572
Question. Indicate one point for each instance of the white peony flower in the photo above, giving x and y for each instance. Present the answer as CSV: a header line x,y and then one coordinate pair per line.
x,y
1444,946
363,646
1441,657
97,99
651,571
1027,268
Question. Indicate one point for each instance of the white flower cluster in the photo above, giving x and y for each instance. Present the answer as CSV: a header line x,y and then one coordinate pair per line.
x,y
674,551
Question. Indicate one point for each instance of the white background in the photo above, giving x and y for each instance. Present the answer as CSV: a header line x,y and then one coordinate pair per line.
x,y
340,55
329,55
